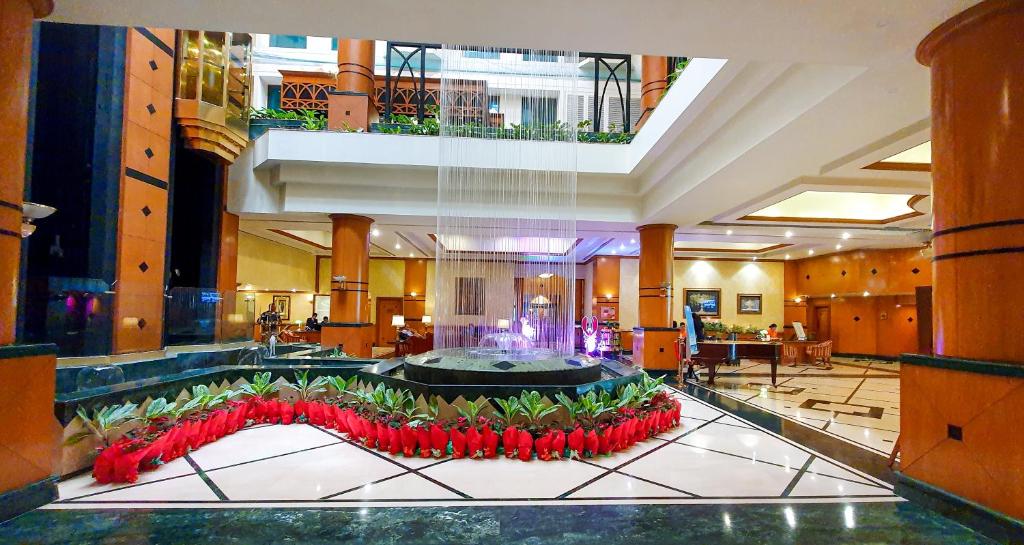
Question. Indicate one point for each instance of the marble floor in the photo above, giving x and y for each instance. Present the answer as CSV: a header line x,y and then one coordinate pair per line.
x,y
858,400
719,478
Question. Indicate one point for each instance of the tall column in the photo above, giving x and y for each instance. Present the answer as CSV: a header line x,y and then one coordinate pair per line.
x,y
31,438
653,340
350,284
653,80
958,404
414,301
350,105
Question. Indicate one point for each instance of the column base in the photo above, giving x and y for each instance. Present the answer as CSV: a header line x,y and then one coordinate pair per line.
x,y
354,338
654,348
957,429
348,111
27,498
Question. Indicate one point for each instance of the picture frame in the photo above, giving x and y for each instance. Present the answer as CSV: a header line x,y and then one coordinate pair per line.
x,y
705,302
748,303
283,305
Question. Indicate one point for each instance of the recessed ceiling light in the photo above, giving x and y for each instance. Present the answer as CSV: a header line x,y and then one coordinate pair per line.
x,y
866,294
754,258
728,231
787,256
398,246
375,232
613,251
846,236
810,252
833,296
622,246
410,255
545,275
632,241
789,234
839,246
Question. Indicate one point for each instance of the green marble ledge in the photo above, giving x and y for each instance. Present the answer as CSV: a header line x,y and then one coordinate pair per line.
x,y
747,524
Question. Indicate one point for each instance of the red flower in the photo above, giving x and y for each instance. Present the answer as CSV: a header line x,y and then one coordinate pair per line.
x,y
510,441
423,438
272,411
438,441
383,439
355,427
369,433
408,441
524,448
126,465
394,440
103,468
301,408
543,445
490,443
340,419
474,443
458,443
576,443
329,415
170,439
604,443
287,412
315,411
557,443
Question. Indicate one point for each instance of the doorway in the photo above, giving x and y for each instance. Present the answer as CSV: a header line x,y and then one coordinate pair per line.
x,y
387,307
823,321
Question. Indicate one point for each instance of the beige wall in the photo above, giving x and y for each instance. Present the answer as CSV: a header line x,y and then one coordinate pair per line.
x,y
732,277
387,279
267,265
629,293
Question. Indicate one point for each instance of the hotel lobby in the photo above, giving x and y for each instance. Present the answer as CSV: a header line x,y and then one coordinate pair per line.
x,y
331,272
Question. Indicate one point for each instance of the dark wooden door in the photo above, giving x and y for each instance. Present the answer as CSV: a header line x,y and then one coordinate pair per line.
x,y
387,307
579,299
823,318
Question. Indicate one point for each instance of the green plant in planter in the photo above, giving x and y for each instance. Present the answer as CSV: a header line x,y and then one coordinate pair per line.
x,y
532,407
471,411
676,72
260,386
157,409
308,389
103,422
219,399
506,411
591,408
343,385
573,408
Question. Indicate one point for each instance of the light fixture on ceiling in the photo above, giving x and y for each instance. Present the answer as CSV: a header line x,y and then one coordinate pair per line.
x,y
545,275
607,296
375,232
613,251
30,212
846,236
398,246
787,256
728,231
839,246
789,234
622,246
833,296
754,258
632,241
866,294
411,254
810,252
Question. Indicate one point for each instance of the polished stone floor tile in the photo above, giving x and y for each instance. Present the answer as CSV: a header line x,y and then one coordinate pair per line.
x,y
258,443
617,485
398,489
85,485
190,488
513,479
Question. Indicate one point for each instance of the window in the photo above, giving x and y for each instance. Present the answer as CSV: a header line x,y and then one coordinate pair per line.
x,y
541,57
469,297
472,54
539,111
287,40
493,104
274,97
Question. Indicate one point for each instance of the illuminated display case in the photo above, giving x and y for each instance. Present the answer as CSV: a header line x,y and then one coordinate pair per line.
x,y
213,92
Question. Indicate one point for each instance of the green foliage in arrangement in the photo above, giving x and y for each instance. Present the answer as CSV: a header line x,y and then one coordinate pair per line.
x,y
676,72
312,120
260,386
308,389
104,422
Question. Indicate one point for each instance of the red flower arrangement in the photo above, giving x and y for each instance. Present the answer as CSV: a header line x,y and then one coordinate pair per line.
x,y
386,419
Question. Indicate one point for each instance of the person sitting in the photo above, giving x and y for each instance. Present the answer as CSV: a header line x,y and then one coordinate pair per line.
x,y
322,324
311,323
773,332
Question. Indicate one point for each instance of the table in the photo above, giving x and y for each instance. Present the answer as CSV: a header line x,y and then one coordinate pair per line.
x,y
712,353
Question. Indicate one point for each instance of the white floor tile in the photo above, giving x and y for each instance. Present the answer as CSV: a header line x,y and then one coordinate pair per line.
x,y
751,445
821,466
504,478
615,485
406,487
256,443
306,475
86,484
187,488
619,458
819,485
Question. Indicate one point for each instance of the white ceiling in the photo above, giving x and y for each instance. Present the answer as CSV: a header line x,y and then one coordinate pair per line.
x,y
813,92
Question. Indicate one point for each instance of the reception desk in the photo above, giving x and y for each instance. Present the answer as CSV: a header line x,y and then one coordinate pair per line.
x,y
712,353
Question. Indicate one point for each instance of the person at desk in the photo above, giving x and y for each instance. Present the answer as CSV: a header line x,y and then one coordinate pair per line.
x,y
773,332
322,324
311,323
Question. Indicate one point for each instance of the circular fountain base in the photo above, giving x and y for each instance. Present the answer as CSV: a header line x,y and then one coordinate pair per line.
x,y
492,366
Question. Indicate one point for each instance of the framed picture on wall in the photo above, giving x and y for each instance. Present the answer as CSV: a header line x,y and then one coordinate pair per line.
x,y
748,303
283,305
704,302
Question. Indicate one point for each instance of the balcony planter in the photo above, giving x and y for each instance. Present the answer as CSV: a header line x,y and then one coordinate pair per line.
x,y
259,126
606,137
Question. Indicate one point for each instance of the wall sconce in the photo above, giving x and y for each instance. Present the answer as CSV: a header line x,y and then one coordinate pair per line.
x,y
340,279
426,319
31,211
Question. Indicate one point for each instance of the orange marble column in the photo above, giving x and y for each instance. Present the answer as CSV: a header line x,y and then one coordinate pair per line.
x,y
415,299
978,180
959,406
654,338
350,258
350,105
653,80
15,64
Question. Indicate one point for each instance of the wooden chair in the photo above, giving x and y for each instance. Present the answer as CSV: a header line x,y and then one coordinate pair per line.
x,y
790,354
821,351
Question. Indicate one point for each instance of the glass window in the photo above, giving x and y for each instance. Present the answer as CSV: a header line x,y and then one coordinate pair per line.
x,y
493,104
539,111
188,69
472,54
533,56
274,97
287,40
213,68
